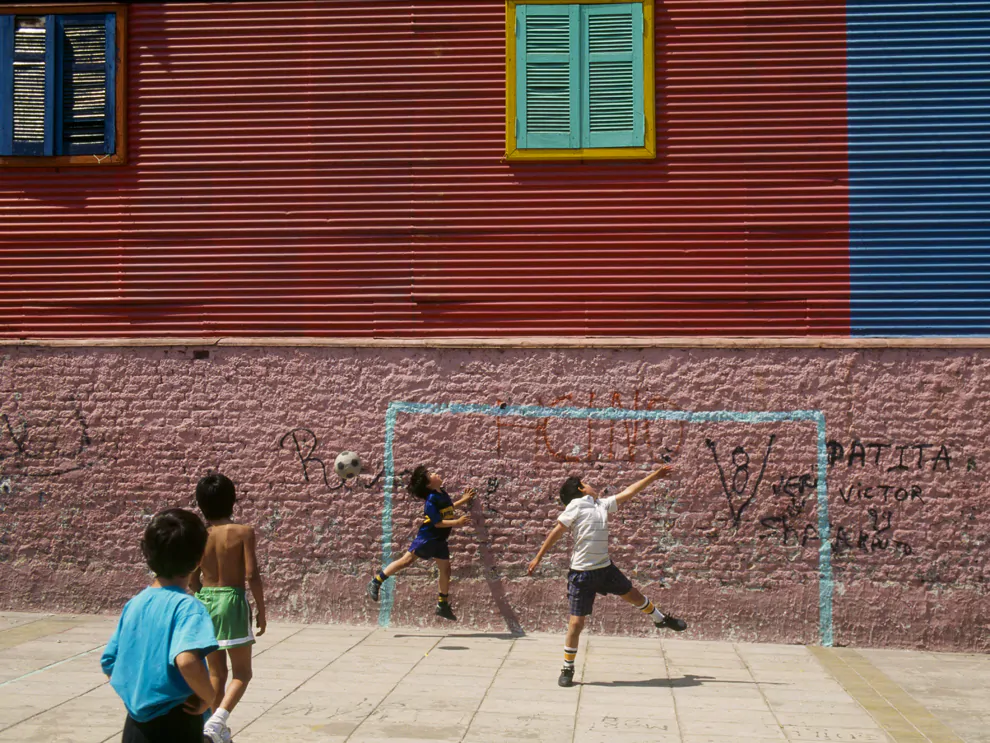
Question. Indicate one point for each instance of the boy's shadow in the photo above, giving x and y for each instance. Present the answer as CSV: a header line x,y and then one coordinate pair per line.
x,y
689,679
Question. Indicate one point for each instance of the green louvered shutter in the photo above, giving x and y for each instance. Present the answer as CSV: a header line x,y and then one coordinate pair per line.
x,y
612,76
85,89
547,76
32,85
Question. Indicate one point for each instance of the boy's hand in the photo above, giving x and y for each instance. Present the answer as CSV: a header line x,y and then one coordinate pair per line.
x,y
531,568
195,706
469,494
663,471
262,623
462,520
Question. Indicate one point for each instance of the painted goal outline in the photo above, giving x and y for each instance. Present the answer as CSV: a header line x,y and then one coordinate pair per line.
x,y
825,583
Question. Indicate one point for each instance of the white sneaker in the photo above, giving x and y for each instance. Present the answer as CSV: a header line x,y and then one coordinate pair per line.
x,y
216,733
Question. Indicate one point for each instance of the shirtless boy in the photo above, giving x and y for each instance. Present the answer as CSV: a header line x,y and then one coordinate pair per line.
x,y
229,562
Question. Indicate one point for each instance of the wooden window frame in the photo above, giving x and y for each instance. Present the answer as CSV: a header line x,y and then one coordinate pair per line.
x,y
649,150
119,156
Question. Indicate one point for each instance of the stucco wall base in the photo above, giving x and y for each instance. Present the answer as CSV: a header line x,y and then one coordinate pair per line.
x,y
94,440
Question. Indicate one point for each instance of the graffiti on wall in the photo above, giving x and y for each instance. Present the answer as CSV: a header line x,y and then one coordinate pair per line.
x,y
37,447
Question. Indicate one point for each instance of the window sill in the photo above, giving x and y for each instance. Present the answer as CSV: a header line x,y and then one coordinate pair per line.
x,y
63,161
583,154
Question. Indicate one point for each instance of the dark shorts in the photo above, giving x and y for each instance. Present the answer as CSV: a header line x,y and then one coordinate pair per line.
x,y
175,726
429,549
584,585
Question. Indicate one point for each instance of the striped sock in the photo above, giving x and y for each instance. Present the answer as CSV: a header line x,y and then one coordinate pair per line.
x,y
381,577
569,655
650,610
442,598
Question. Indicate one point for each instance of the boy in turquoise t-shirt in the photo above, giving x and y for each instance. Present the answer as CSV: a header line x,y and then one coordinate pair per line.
x,y
155,659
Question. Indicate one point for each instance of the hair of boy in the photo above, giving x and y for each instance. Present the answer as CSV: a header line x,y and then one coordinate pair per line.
x,y
571,489
174,542
419,483
215,496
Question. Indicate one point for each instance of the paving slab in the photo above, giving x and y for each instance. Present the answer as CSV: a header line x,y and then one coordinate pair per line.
x,y
348,684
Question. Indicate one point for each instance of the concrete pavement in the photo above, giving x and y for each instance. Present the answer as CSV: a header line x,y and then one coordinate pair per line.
x,y
361,684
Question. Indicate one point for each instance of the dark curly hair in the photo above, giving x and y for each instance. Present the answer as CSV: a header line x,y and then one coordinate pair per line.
x,y
174,542
419,483
571,489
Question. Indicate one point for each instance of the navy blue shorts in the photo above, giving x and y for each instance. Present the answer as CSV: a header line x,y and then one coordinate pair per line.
x,y
584,585
429,549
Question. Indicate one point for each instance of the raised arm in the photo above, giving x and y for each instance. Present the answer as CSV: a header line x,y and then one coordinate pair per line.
x,y
555,534
253,576
637,487
466,498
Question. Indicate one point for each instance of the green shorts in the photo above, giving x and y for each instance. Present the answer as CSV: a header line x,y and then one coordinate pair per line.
x,y
228,607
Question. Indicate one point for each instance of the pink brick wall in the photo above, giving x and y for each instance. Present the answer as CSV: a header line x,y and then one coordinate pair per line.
x,y
94,440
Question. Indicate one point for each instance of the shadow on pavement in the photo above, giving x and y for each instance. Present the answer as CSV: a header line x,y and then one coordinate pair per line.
x,y
675,683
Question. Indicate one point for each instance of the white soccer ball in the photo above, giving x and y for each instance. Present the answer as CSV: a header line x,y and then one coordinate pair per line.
x,y
347,465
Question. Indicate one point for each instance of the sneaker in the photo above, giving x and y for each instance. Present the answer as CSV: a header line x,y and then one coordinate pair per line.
x,y
444,610
669,622
566,677
216,734
373,588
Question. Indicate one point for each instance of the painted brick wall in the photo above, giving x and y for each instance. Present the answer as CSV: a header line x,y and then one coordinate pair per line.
x,y
94,440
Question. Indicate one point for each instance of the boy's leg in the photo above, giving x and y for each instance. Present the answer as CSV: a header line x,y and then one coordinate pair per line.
x,y
665,621
443,603
375,585
240,671
217,663
574,626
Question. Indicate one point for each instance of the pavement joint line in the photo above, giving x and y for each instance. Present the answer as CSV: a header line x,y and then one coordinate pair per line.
x,y
52,665
759,688
305,680
394,686
673,696
484,696
70,699
899,714
584,667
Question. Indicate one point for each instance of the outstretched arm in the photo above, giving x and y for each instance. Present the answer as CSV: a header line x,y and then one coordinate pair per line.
x,y
637,487
552,538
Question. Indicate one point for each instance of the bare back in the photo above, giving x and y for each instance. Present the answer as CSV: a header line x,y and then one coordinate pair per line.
x,y
229,558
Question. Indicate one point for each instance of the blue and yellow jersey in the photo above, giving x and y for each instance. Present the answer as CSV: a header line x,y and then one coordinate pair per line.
x,y
438,507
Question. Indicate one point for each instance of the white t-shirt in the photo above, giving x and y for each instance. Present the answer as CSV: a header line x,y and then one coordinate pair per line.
x,y
587,520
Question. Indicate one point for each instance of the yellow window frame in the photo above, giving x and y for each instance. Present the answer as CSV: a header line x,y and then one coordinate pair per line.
x,y
513,152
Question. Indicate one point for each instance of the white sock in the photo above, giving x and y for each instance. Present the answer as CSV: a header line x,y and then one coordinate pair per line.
x,y
219,717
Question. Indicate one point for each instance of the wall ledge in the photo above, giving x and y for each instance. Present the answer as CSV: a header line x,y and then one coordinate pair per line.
x,y
544,342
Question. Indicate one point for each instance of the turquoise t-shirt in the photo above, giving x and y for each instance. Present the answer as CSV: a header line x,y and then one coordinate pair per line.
x,y
156,626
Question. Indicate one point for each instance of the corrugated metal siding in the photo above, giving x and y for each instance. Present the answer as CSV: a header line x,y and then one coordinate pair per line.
x,y
919,122
334,168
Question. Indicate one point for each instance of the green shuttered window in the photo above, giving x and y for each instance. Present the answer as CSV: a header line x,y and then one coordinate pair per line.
x,y
58,85
579,76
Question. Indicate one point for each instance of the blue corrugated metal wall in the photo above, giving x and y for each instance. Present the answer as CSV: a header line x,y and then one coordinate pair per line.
x,y
919,165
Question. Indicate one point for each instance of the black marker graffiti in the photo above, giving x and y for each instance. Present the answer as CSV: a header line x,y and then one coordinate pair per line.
x,y
740,478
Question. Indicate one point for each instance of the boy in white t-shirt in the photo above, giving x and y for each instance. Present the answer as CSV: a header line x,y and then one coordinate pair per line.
x,y
592,572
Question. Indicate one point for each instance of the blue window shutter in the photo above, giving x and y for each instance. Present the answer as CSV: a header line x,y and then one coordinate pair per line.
x,y
548,76
6,83
32,85
86,56
612,95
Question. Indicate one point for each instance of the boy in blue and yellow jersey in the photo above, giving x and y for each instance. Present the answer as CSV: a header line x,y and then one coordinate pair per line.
x,y
431,540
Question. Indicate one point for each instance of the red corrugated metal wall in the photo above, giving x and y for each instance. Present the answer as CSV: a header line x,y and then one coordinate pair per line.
x,y
334,169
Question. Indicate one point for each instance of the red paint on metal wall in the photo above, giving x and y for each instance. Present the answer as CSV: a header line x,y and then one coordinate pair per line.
x,y
335,169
